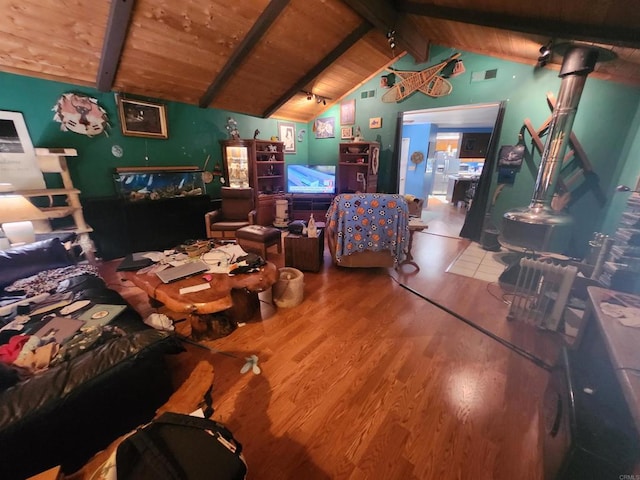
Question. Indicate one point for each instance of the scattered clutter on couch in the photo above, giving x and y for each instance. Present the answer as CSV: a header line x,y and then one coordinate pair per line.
x,y
76,362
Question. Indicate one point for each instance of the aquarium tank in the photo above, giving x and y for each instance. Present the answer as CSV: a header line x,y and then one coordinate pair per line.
x,y
155,183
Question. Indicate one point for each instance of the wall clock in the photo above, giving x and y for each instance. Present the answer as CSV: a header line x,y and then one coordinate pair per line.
x,y
417,157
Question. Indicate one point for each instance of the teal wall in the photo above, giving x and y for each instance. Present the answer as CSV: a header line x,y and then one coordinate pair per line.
x,y
607,125
194,133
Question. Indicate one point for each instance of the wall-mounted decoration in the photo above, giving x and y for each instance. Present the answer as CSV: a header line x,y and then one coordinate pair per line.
x,y
18,164
142,119
346,133
301,134
511,156
80,114
232,128
348,112
375,122
367,94
429,81
287,132
325,127
417,157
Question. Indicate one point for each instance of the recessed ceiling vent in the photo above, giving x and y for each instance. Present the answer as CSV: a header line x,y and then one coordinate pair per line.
x,y
484,75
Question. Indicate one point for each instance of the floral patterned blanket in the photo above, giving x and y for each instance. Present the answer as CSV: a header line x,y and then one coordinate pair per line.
x,y
370,221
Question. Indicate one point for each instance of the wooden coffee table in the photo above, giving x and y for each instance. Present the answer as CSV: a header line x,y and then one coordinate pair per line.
x,y
213,312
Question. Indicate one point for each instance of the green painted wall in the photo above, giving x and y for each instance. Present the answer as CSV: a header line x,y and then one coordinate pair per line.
x,y
194,133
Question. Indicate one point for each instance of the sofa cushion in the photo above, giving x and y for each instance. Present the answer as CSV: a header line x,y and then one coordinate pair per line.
x,y
27,260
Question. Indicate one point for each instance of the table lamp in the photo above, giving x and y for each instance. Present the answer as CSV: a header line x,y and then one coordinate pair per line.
x,y
16,213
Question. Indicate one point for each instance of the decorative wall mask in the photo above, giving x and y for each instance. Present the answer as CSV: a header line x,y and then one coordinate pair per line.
x,y
80,114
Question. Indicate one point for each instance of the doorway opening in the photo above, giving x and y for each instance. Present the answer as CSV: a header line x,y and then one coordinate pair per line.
x,y
442,156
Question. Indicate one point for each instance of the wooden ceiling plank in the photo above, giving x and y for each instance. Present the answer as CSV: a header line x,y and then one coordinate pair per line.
x,y
383,16
115,35
252,38
618,35
322,65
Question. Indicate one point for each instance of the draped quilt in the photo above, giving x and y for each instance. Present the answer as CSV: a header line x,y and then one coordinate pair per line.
x,y
370,221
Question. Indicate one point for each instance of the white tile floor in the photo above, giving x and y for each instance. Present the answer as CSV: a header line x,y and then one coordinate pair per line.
x,y
477,263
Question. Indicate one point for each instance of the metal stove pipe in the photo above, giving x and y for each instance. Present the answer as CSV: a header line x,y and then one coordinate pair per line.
x,y
577,64
539,227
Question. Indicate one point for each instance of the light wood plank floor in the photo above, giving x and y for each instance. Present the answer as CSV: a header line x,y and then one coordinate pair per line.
x,y
367,380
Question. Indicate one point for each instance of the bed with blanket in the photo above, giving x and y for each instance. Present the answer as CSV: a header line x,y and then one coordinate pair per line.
x,y
72,377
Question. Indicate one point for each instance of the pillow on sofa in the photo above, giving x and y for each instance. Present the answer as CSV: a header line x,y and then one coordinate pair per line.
x,y
27,260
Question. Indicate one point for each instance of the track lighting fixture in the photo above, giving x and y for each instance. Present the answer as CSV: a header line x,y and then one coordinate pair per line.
x,y
391,38
319,98
545,55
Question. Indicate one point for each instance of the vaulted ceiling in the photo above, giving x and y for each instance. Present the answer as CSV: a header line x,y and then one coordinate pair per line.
x,y
260,57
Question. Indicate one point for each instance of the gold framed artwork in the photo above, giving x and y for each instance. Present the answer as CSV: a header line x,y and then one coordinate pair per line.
x,y
142,119
346,133
348,112
375,122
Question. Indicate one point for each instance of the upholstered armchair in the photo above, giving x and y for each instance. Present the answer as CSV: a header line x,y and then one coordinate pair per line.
x,y
237,211
368,230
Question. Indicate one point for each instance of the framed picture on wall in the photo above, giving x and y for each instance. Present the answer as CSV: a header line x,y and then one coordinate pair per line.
x,y
142,119
325,127
18,163
346,133
287,134
348,112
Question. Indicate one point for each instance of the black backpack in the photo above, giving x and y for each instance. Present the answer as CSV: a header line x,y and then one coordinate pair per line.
x,y
181,447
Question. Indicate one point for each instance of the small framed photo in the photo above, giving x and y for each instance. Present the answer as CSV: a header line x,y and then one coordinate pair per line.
x,y
142,119
346,133
287,134
348,112
375,122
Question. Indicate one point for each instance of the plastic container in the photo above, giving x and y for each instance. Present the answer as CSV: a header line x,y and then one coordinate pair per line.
x,y
288,291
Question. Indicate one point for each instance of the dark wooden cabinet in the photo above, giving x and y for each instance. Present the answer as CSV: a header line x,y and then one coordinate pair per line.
x,y
304,253
358,167
302,205
474,145
260,165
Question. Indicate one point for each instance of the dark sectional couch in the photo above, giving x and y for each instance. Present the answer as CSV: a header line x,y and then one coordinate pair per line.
x,y
69,411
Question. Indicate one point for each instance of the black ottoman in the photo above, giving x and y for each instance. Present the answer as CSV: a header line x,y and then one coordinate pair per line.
x,y
258,238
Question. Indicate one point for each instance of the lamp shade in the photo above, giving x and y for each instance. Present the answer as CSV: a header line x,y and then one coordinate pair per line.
x,y
16,208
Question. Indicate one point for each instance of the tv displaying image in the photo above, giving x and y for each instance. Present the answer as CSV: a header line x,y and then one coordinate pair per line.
x,y
311,178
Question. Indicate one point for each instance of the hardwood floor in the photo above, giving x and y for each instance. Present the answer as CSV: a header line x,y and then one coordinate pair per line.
x,y
365,379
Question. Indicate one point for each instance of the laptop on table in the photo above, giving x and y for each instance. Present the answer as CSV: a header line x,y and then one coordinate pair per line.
x,y
172,274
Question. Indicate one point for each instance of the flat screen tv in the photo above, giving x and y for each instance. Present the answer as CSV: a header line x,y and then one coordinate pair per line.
x,y
311,178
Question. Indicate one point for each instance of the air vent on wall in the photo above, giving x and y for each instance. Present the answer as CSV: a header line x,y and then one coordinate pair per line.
x,y
484,75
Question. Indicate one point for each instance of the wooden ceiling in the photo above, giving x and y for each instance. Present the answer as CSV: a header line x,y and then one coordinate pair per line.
x,y
259,57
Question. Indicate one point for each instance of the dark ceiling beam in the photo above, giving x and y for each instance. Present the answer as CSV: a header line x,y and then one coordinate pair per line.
x,y
247,44
627,37
321,66
385,17
115,35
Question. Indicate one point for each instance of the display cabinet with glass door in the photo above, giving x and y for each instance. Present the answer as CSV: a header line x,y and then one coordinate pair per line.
x,y
258,164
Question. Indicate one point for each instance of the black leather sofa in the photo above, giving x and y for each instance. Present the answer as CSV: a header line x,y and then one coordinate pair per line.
x,y
68,412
